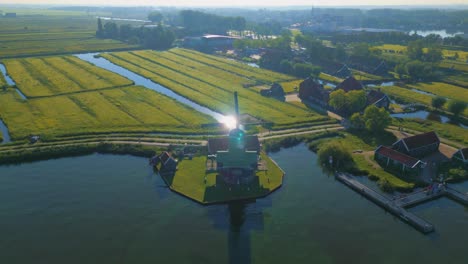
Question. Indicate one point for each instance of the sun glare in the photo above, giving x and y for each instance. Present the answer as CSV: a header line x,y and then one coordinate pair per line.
x,y
229,121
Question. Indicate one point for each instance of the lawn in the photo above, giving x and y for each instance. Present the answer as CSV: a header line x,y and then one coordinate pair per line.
x,y
189,180
46,76
129,109
291,86
443,89
330,78
211,86
53,32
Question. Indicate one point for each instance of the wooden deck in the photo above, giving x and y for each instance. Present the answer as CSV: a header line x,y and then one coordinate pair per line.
x,y
397,206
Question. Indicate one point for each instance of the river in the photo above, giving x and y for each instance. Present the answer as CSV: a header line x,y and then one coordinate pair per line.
x,y
140,80
113,209
5,133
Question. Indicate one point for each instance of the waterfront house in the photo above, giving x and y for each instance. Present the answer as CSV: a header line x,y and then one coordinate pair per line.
x,y
461,155
378,99
418,145
350,84
389,157
312,91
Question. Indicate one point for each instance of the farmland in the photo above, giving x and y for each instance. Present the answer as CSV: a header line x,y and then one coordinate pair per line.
x,y
129,109
443,89
399,49
48,76
211,81
59,33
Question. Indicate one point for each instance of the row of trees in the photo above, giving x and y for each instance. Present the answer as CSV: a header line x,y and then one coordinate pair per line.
x,y
196,22
348,102
157,37
455,106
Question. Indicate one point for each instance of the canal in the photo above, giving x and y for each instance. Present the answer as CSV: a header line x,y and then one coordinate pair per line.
x,y
140,80
114,209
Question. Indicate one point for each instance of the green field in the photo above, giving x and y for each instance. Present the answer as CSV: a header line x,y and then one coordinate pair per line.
x,y
128,109
443,89
48,76
462,55
211,81
291,86
54,32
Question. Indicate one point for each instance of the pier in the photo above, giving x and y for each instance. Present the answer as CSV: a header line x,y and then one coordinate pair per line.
x,y
397,206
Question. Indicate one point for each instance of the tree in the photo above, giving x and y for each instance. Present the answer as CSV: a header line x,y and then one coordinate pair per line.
x,y
340,156
338,100
433,54
376,119
155,17
357,121
438,101
456,107
100,31
111,30
400,69
356,101
415,50
417,70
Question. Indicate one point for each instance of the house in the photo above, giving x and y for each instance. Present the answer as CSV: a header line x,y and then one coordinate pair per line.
x,y
461,155
276,90
343,72
168,163
350,84
381,69
313,91
378,99
390,157
418,145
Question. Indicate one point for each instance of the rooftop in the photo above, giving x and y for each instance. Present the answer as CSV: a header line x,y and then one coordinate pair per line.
x,y
350,84
398,156
421,140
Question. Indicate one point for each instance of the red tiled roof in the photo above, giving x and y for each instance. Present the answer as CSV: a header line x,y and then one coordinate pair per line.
x,y
398,156
421,140
349,84
222,144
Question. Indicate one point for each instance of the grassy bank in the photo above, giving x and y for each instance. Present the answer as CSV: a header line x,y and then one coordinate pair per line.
x,y
53,152
192,181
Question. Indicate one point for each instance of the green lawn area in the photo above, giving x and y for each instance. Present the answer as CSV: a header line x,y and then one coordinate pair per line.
x,y
213,86
47,32
56,75
189,180
291,86
129,109
364,76
330,78
443,89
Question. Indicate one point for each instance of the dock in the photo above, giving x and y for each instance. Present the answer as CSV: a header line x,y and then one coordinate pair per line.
x,y
386,203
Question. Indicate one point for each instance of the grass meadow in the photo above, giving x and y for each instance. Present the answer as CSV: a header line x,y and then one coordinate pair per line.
x,y
128,109
211,82
47,76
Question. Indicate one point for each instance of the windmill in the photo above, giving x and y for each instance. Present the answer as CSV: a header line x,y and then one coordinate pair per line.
x,y
232,122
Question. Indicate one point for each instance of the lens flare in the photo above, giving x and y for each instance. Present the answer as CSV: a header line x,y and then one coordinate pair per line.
x,y
229,121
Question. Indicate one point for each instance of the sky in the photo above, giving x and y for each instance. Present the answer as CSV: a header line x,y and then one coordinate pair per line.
x,y
241,3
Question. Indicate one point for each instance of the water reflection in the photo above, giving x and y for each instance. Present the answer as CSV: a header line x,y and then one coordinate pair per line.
x,y
425,115
238,219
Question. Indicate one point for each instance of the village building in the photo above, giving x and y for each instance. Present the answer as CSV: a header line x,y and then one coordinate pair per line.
x,y
168,163
313,91
461,156
343,72
418,145
381,69
350,84
389,157
378,99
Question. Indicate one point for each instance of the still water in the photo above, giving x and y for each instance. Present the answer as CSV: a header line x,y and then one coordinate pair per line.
x,y
5,133
442,33
8,79
113,209
425,115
